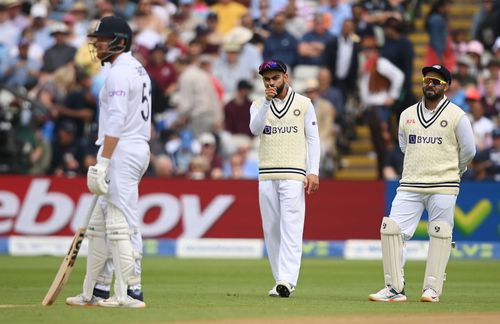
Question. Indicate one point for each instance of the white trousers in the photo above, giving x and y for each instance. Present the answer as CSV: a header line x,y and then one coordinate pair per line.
x,y
282,208
129,162
407,208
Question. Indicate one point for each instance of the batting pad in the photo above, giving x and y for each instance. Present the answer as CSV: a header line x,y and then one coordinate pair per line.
x,y
121,248
438,255
97,255
392,250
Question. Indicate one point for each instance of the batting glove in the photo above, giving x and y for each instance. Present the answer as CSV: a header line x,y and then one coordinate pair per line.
x,y
96,177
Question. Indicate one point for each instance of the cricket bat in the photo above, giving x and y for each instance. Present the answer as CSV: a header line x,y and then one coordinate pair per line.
x,y
66,267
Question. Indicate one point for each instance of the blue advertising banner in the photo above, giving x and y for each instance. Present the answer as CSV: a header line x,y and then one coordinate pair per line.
x,y
477,214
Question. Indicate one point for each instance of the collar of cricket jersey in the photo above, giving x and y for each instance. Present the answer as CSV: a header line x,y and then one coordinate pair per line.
x,y
288,102
435,113
122,57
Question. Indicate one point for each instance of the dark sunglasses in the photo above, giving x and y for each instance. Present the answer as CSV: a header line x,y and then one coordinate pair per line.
x,y
433,81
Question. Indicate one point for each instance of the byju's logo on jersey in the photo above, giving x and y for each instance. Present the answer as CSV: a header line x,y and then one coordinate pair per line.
x,y
268,130
415,139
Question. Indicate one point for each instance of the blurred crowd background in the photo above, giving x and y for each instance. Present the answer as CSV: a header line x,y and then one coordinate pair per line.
x,y
353,58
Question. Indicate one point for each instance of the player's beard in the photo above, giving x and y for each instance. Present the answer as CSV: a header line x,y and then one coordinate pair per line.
x,y
280,89
432,96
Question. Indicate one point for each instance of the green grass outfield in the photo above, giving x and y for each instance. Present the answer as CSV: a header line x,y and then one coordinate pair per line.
x,y
187,289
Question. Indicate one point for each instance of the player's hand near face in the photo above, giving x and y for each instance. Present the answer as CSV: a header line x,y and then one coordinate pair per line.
x,y
311,183
271,91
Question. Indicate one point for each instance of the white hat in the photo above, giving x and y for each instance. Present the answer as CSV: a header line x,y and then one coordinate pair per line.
x,y
59,28
231,46
207,138
38,10
239,35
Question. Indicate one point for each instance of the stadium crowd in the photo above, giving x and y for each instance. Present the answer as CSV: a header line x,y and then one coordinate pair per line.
x,y
352,58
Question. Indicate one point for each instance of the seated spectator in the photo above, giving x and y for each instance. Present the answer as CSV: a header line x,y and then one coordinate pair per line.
x,y
280,45
67,152
313,43
229,68
482,127
41,155
325,113
229,13
79,106
21,71
163,167
487,162
208,150
491,100
60,53
237,110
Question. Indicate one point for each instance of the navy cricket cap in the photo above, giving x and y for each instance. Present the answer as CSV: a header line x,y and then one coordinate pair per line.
x,y
272,65
440,69
112,26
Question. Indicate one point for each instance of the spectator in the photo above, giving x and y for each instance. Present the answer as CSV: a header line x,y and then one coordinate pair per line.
x,y
325,114
237,110
79,106
487,162
463,72
490,100
229,13
163,77
22,71
398,49
439,50
487,25
68,151
9,34
198,106
341,57
163,167
208,150
280,45
338,12
475,50
379,86
229,68
60,53
313,43
481,126
41,155
41,29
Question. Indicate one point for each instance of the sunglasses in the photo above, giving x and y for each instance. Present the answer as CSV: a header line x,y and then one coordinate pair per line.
x,y
433,81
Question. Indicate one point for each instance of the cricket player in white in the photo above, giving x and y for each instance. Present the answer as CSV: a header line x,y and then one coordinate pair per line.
x,y
436,137
123,157
288,162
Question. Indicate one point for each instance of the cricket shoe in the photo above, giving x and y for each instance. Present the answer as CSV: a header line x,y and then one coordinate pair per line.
x,y
79,300
429,296
284,288
273,292
129,302
388,294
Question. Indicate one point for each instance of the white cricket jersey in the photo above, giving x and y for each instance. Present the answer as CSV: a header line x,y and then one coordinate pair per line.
x,y
125,101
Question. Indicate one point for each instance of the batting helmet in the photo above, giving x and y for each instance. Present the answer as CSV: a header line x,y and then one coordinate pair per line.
x,y
116,29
